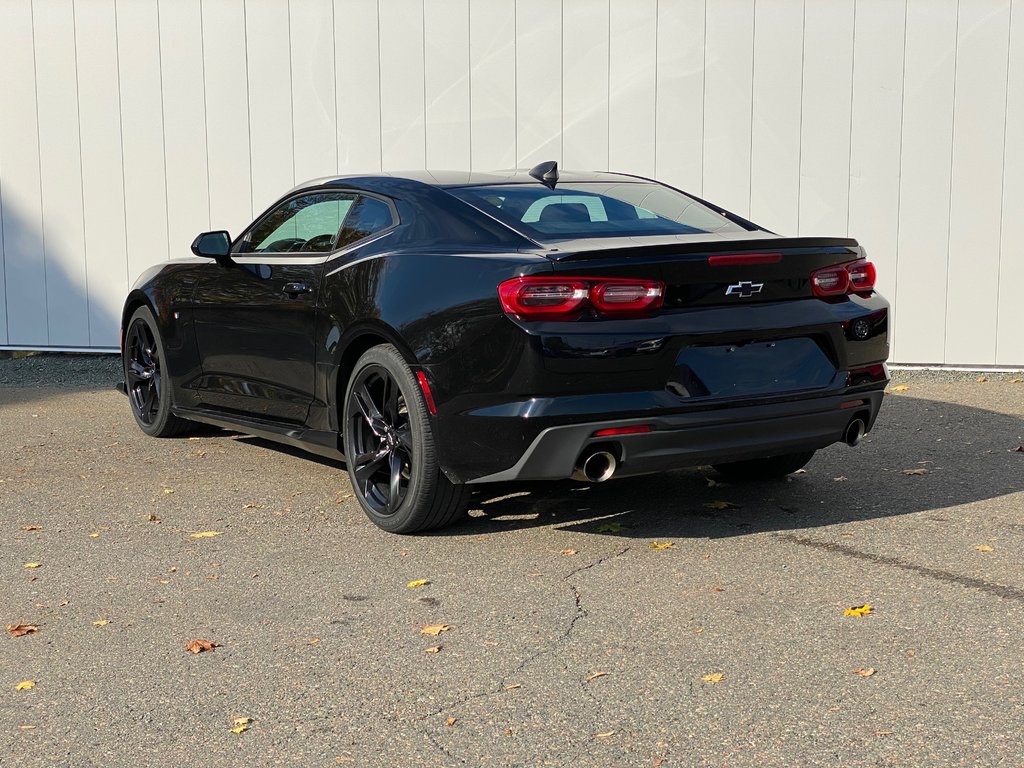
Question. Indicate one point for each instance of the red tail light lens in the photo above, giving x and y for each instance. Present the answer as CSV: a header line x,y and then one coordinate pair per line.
x,y
856,277
563,298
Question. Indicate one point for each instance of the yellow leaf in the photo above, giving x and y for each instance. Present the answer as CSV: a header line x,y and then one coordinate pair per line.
x,y
594,676
715,677
860,610
434,629
32,565
981,379
567,552
94,535
240,729
25,727
718,504
899,388
168,490
434,649
983,548
610,528
241,721
513,686
604,734
864,671
418,583
661,545
25,685
101,623
206,534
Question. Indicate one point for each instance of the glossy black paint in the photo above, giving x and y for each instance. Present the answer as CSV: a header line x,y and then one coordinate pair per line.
x,y
265,343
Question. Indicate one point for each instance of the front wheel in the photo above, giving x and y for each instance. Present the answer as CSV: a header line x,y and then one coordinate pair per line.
x,y
764,469
145,377
389,448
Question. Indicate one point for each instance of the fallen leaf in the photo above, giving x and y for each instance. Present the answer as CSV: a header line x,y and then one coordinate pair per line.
x,y
32,565
417,583
860,610
567,552
94,535
715,677
1015,381
661,545
151,518
450,722
249,506
434,629
840,479
981,379
25,727
240,729
241,721
883,733
198,646
513,686
200,454
31,528
864,671
25,685
718,504
433,649
101,623
168,490
604,734
899,388
714,483
1018,449
918,471
911,653
610,528
983,548
594,676
19,629
206,534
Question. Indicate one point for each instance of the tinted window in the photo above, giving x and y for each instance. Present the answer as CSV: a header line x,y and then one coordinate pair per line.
x,y
596,209
308,223
367,216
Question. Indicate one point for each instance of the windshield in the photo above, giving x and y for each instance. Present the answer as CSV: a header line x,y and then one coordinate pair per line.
x,y
596,209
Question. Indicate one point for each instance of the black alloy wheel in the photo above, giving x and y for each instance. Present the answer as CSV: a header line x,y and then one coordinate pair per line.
x,y
388,439
382,438
145,379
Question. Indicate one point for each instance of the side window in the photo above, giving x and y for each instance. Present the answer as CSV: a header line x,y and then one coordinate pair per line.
x,y
308,223
368,215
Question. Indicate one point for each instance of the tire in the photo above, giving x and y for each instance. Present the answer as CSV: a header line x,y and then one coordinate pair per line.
x,y
389,448
148,389
769,468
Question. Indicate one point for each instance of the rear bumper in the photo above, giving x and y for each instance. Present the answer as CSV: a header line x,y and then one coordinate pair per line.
x,y
700,437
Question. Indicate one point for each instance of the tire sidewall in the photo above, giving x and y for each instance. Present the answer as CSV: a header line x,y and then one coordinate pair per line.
x,y
424,467
145,315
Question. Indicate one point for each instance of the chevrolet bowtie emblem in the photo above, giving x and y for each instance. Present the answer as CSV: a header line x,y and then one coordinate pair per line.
x,y
744,288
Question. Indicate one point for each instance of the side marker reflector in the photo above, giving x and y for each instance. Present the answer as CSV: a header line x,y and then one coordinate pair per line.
x,y
421,377
612,431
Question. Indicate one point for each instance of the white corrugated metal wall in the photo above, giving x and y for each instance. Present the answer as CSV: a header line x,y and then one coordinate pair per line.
x,y
127,126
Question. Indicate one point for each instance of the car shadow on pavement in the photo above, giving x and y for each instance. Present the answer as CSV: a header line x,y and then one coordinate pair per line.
x,y
923,455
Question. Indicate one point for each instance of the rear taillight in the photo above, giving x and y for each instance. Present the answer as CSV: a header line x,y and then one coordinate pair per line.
x,y
564,298
841,279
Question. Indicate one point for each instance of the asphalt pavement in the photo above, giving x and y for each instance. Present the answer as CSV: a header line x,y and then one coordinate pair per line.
x,y
570,639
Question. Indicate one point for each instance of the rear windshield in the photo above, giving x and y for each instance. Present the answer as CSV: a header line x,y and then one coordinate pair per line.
x,y
596,209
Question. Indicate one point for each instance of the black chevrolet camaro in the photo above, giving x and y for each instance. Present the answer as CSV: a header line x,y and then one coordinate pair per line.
x,y
439,331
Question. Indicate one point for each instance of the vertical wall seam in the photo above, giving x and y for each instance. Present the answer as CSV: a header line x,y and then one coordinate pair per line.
x,y
248,104
1002,177
423,53
515,80
469,75
39,162
899,178
163,128
206,115
657,26
81,178
291,90
800,126
3,260
750,143
380,99
853,86
704,102
952,158
334,91
120,130
561,81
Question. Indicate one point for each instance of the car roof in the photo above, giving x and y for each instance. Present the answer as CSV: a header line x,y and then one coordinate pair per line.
x,y
445,179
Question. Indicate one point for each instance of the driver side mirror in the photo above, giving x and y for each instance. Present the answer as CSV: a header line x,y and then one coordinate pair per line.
x,y
214,245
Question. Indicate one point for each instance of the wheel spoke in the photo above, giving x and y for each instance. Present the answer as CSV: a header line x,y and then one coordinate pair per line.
x,y
405,439
369,409
367,463
136,371
394,491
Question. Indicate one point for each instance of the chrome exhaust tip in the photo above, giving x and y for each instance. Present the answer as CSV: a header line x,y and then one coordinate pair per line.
x,y
595,467
854,432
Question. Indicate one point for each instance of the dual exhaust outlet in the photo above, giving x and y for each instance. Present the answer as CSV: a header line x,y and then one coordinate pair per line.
x,y
597,465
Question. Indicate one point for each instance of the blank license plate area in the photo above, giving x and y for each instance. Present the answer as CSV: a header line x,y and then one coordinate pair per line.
x,y
754,368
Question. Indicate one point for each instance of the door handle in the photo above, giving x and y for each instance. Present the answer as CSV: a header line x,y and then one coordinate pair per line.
x,y
294,289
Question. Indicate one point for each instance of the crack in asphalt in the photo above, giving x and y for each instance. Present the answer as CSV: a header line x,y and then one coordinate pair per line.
x,y
578,613
990,587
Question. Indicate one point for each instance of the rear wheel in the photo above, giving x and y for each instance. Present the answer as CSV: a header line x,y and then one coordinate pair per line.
x,y
764,469
148,388
389,448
